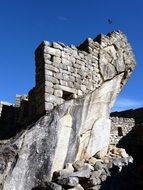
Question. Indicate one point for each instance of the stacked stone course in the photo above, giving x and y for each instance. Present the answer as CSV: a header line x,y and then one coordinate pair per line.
x,y
67,72
120,127
78,129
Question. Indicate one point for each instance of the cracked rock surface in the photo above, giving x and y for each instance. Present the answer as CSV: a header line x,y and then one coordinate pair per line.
x,y
75,130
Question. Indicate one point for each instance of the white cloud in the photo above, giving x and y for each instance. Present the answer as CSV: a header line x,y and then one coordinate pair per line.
x,y
126,103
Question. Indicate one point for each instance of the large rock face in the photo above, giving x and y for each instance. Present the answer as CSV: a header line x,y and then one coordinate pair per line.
x,y
75,130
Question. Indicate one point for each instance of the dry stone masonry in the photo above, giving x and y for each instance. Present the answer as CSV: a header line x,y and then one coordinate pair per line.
x,y
69,72
127,132
120,127
75,90
64,72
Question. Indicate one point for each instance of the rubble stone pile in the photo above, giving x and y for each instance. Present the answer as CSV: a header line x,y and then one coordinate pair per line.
x,y
94,174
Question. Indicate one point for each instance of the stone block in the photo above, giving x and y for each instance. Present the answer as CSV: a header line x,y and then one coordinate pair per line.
x,y
66,72
60,66
49,90
73,47
65,55
51,79
59,101
71,69
66,62
96,70
81,72
48,106
78,66
51,186
71,78
51,68
95,78
72,59
70,84
66,77
47,61
81,55
90,86
68,50
83,68
84,172
75,54
78,187
47,56
79,80
52,51
58,93
65,88
50,98
77,85
79,93
53,99
47,83
58,76
68,182
56,59
83,88
57,45
76,75
63,83
107,70
47,72
46,43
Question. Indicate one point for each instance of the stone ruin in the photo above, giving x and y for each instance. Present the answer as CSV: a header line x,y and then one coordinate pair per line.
x,y
67,114
67,72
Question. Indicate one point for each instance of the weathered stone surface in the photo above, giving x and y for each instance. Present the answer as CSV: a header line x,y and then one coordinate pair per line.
x,y
120,175
78,164
94,62
78,128
83,172
49,186
124,124
73,131
52,51
68,182
78,187
58,93
77,72
107,70
49,106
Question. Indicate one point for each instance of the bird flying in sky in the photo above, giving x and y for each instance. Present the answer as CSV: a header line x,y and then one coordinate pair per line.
x,y
109,21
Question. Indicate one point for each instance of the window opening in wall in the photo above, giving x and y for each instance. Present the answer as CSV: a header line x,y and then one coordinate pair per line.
x,y
120,133
67,95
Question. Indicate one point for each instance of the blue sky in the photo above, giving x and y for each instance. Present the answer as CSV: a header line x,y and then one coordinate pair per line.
x,y
25,23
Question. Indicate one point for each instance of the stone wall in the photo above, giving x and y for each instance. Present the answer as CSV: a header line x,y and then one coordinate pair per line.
x,y
19,99
137,114
77,129
2,103
127,132
66,72
69,72
120,127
